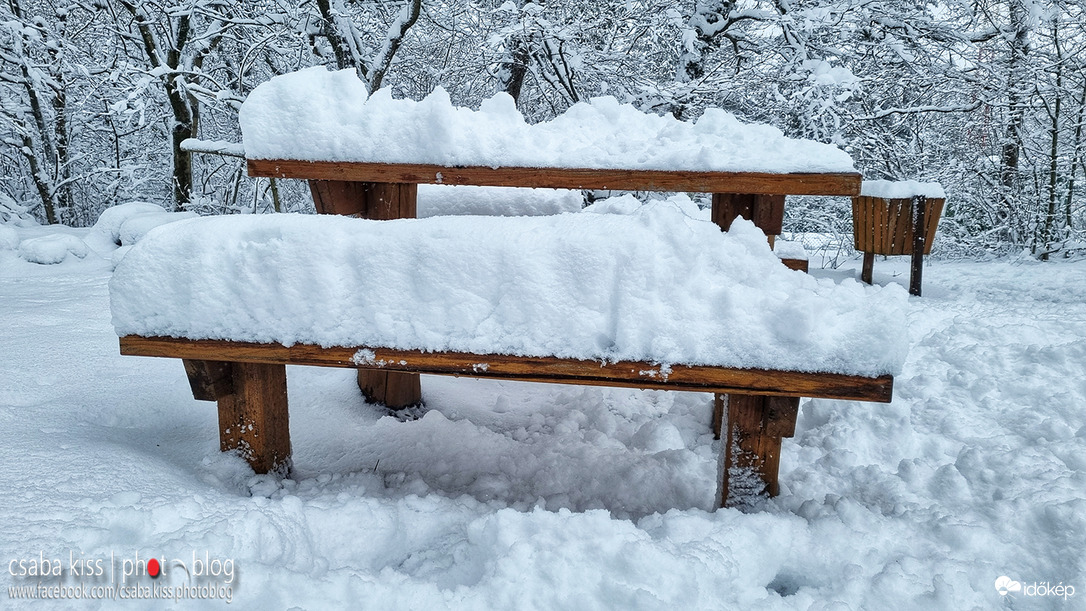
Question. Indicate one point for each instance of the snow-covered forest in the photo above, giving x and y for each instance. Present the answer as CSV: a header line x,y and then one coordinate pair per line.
x,y
986,97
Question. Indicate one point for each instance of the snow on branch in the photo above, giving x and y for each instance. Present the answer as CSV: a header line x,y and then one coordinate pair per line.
x,y
213,147
919,109
407,17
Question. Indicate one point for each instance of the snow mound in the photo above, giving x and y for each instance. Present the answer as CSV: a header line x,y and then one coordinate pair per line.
x,y
110,221
133,229
790,250
9,238
628,204
901,189
655,285
52,249
450,200
315,114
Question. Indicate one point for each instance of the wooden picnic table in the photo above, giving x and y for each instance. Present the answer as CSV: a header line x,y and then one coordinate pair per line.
x,y
757,419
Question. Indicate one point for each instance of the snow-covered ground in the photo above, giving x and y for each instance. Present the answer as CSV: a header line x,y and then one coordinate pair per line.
x,y
510,495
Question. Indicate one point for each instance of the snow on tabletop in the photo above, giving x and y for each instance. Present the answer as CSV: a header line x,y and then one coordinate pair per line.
x,y
318,115
901,189
441,200
656,286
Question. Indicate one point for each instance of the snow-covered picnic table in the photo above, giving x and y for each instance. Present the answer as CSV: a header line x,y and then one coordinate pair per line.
x,y
655,299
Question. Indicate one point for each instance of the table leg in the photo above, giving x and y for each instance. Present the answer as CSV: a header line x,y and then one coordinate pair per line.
x,y
376,201
253,414
767,211
751,450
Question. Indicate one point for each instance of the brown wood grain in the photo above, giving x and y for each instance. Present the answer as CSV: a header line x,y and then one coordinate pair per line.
x,y
393,389
539,369
799,265
209,380
766,211
844,183
932,215
868,267
884,226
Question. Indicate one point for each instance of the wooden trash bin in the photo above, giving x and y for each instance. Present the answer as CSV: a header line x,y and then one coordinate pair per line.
x,y
884,222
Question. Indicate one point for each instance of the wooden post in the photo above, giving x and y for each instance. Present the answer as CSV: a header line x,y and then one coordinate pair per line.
x,y
869,267
916,271
752,445
253,414
748,445
767,211
253,420
376,201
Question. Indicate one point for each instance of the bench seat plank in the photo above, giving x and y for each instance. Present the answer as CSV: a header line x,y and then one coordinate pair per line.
x,y
754,183
535,369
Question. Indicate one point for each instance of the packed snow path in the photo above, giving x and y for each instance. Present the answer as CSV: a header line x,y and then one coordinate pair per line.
x,y
512,495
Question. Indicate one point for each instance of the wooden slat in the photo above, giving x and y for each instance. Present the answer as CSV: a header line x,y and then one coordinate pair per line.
x,y
765,211
537,369
880,229
934,212
763,183
901,220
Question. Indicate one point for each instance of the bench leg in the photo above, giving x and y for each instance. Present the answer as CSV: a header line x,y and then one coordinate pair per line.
x,y
752,447
253,418
869,267
394,389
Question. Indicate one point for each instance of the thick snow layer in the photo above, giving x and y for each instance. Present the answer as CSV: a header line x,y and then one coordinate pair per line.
x,y
503,495
111,220
52,249
449,200
315,114
137,226
655,285
901,189
790,250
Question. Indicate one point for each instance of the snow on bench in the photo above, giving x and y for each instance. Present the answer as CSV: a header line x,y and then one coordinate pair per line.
x,y
654,286
654,299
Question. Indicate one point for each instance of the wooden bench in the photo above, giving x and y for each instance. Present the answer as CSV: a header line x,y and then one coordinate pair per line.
x,y
249,380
